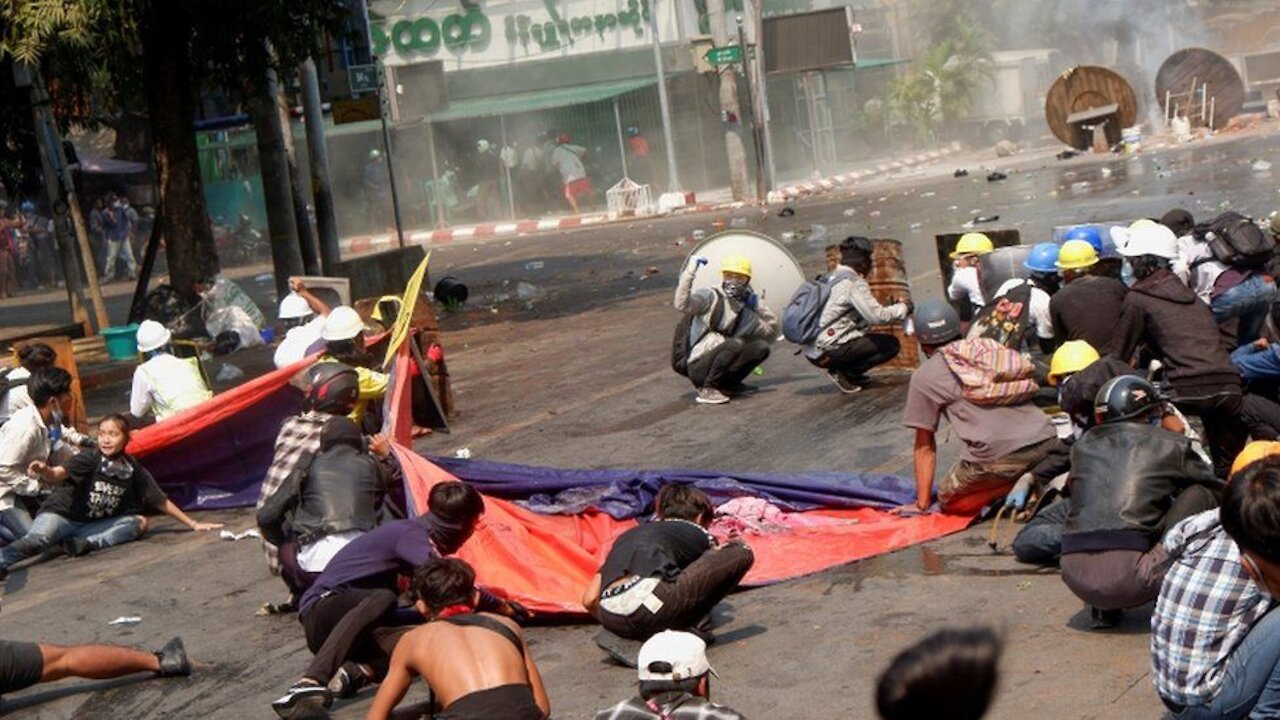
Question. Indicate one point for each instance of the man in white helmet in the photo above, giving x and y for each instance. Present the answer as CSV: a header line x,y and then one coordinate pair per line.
x,y
343,336
163,384
302,317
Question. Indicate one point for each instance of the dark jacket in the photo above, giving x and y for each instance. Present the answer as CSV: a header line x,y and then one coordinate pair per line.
x,y
1078,392
1177,327
1087,309
1124,478
340,490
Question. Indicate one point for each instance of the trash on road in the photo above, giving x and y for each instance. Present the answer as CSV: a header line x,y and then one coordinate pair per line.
x,y
463,453
850,212
529,291
699,235
916,225
787,211
962,173
986,218
126,620
817,233
534,265
233,536
1106,172
264,278
1262,166
651,270
738,222
1068,154
997,176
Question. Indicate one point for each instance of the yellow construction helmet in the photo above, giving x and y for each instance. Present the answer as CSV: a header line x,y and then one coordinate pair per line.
x,y
1076,254
1072,357
736,264
973,244
1253,452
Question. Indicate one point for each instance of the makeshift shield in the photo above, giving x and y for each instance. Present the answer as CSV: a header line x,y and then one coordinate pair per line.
x,y
775,274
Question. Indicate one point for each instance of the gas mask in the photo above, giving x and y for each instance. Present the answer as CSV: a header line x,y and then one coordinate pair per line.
x,y
736,289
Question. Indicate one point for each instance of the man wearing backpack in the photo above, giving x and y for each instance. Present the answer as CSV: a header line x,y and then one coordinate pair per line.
x,y
726,331
843,346
1224,261
1001,441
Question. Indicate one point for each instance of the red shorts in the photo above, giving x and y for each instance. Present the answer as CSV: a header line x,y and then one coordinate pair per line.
x,y
574,188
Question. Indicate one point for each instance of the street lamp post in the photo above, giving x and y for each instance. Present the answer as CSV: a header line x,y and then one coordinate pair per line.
x,y
664,103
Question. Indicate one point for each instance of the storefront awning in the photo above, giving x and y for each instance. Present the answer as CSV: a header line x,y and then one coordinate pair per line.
x,y
493,106
870,63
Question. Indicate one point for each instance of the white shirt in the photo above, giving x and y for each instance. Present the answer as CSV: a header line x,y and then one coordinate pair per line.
x,y
314,557
18,397
294,346
23,440
166,385
964,283
1202,277
1039,307
568,160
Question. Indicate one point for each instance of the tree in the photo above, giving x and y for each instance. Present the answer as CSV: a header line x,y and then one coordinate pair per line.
x,y
941,89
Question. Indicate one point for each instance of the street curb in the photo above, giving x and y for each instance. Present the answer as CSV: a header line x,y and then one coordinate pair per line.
x,y
514,228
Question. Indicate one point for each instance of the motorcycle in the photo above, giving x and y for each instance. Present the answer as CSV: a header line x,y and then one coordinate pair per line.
x,y
240,245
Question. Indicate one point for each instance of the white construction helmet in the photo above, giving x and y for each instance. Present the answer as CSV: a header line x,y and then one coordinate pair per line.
x,y
1147,238
343,323
294,306
152,335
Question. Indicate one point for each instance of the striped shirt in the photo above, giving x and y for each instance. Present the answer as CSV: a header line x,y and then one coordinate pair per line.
x,y
669,706
300,434
1207,605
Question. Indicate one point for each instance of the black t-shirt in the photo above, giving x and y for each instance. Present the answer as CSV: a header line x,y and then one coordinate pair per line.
x,y
1088,309
97,487
661,548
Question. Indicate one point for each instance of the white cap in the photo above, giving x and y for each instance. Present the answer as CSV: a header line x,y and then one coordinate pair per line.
x,y
343,323
152,335
294,306
1146,238
673,656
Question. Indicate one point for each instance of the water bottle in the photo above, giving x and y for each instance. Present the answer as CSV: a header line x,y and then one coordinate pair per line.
x,y
909,326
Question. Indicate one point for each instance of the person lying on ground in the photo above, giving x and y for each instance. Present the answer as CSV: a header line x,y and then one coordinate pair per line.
x,y
1001,442
845,348
950,675
1131,479
163,384
331,390
731,330
29,437
327,502
98,501
343,334
24,664
477,664
669,573
675,683
1215,633
354,601
14,393
302,316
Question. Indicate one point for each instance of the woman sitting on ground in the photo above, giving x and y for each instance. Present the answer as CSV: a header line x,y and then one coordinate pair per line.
x,y
99,500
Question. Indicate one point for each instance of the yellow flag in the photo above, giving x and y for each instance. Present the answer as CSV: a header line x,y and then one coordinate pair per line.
x,y
401,329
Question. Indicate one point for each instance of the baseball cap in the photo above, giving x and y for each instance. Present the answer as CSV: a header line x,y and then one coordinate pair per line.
x,y
673,656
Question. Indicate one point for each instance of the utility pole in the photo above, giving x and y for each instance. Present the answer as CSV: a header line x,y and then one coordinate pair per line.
x,y
306,239
730,111
286,256
757,139
318,160
664,103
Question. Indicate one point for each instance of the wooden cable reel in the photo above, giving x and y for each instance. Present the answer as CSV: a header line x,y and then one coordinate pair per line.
x,y
1084,88
1200,85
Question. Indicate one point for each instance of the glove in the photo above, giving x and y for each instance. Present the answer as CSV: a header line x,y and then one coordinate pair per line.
x,y
752,301
1017,497
699,261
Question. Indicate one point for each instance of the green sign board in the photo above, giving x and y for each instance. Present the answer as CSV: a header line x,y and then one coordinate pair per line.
x,y
724,55
364,78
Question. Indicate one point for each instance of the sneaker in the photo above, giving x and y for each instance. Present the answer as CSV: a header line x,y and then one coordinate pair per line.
x,y
847,386
304,701
711,396
173,659
741,389
77,547
346,683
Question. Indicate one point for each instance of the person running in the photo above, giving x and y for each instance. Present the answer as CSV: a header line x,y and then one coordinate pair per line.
x,y
845,348
566,158
675,683
24,664
99,500
730,332
476,664
164,384
952,673
667,574
353,602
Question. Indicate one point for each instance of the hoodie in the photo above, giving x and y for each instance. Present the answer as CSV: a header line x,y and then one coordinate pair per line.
x,y
1177,327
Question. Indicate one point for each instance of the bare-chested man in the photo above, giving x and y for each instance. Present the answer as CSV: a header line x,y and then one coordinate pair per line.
x,y
477,664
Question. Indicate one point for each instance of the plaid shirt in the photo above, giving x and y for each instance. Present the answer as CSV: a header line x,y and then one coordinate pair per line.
x,y
1207,605
669,706
300,434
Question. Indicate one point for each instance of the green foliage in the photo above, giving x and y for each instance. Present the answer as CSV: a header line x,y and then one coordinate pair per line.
x,y
941,89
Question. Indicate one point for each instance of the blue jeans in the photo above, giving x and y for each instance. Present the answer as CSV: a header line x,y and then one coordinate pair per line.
x,y
49,529
1251,686
14,523
1250,301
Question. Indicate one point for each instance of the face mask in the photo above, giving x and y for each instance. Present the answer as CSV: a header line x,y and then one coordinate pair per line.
x,y
735,289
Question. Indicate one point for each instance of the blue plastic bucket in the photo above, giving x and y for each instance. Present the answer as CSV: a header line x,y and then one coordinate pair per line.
x,y
121,342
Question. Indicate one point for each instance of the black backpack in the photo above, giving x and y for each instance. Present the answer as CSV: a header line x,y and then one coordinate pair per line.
x,y
682,344
1236,241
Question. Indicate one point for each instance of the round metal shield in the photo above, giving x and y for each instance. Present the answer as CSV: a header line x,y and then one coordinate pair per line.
x,y
775,274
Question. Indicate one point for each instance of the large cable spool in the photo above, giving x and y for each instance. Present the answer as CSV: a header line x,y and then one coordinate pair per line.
x,y
775,274
1201,67
1084,88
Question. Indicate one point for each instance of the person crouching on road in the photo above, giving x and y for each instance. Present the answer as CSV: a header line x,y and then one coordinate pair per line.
x,y
844,348
164,384
730,333
675,683
99,501
966,285
1131,479
344,342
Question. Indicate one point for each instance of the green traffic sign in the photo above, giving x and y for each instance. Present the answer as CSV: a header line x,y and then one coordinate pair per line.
x,y
724,55
364,78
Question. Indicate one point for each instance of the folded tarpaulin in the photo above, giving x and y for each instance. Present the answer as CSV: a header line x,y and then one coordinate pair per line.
x,y
546,561
216,454
629,493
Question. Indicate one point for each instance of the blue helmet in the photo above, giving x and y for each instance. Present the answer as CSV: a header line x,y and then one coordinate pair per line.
x,y
1043,258
28,206
1088,233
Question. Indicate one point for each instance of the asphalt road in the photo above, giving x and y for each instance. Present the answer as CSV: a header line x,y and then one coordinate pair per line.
x,y
578,378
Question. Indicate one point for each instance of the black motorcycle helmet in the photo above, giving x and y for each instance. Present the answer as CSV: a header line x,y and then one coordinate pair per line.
x,y
332,388
1124,398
